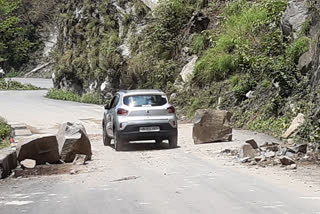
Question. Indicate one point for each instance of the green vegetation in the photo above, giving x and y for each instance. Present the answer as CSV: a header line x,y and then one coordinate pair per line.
x,y
5,132
62,94
14,85
17,38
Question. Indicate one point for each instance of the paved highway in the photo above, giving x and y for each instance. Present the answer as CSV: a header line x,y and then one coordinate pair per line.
x,y
145,178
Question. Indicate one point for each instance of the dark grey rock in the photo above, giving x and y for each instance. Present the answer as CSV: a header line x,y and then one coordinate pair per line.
x,y
253,143
41,149
294,17
8,162
73,139
286,161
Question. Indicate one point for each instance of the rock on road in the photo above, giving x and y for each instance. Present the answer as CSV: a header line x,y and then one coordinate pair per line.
x,y
143,179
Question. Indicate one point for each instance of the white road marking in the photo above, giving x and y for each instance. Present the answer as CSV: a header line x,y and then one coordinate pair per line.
x,y
18,203
311,198
144,203
38,193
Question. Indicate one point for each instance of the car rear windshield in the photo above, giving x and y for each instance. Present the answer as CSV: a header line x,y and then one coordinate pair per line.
x,y
145,100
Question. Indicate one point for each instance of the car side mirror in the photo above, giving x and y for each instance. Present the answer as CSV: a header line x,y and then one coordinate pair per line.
x,y
107,107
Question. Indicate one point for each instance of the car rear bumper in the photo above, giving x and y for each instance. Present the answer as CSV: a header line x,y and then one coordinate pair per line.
x,y
132,132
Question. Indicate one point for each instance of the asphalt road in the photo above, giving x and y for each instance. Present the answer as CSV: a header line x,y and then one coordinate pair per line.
x,y
145,178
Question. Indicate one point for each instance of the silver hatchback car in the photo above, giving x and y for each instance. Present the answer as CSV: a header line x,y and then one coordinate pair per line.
x,y
135,115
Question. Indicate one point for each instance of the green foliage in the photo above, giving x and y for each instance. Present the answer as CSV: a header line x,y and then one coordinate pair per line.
x,y
241,38
63,94
199,42
273,125
140,8
17,39
14,85
5,132
241,85
297,48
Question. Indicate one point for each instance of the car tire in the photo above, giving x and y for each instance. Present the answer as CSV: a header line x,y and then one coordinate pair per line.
x,y
118,142
173,142
106,138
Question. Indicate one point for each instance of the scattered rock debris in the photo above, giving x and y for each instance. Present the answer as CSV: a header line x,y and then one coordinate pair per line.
x,y
271,154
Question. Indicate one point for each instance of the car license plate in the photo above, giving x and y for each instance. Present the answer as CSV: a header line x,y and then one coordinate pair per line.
x,y
150,129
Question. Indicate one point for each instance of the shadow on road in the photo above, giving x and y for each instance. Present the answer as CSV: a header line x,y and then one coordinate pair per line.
x,y
143,146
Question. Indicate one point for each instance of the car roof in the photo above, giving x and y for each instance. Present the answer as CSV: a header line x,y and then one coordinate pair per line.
x,y
141,91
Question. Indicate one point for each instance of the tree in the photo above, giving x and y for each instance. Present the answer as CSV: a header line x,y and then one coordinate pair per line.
x,y
17,38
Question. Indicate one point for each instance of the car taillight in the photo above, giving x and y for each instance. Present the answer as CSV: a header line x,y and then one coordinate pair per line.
x,y
171,109
122,112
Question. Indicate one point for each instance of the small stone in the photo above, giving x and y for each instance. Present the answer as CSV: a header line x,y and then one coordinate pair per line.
x,y
73,171
244,160
273,148
299,149
28,163
270,154
286,161
253,143
80,159
246,150
292,166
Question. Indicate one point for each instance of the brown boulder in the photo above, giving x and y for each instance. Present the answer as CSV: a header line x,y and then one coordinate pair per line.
x,y
73,139
211,125
41,149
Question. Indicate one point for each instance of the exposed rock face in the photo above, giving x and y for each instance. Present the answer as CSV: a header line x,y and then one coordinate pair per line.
x,y
152,4
188,69
296,123
73,139
295,15
211,125
42,150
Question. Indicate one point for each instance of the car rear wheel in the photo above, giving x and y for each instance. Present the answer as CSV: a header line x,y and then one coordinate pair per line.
x,y
118,143
173,142
106,139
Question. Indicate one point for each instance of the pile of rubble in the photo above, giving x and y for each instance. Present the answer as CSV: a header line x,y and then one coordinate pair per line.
x,y
70,145
271,154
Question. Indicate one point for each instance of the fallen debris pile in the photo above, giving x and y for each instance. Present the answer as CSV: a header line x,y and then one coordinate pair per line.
x,y
271,154
46,155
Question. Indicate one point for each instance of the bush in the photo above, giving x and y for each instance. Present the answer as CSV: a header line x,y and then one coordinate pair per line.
x,y
5,132
14,85
63,94
297,48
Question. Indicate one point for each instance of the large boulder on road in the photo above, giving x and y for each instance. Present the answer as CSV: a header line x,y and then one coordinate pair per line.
x,y
43,149
211,125
73,139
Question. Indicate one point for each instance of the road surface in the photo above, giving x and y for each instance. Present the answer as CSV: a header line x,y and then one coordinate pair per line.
x,y
145,178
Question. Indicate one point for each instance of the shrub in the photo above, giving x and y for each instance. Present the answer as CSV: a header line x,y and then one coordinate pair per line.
x,y
5,132
63,94
297,48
